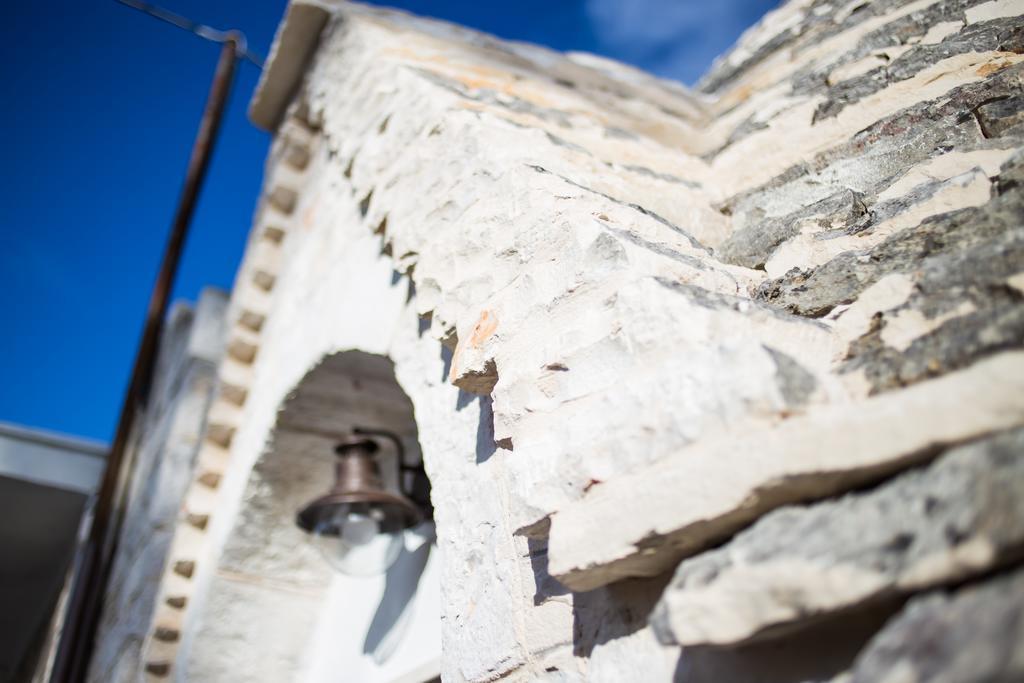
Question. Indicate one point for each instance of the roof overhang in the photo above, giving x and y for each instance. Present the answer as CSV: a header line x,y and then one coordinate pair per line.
x,y
294,45
51,460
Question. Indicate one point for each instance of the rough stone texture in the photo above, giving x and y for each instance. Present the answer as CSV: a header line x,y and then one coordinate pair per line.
x,y
184,383
961,515
929,248
894,236
819,653
630,319
650,519
973,634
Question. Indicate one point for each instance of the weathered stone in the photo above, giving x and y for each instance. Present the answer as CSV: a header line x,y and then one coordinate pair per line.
x,y
938,243
960,308
973,634
554,262
954,343
651,518
1005,36
960,516
809,196
1001,116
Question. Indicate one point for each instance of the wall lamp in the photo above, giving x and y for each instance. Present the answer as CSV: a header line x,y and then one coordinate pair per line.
x,y
359,525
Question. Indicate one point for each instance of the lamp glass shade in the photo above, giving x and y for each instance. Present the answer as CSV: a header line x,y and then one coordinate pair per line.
x,y
358,539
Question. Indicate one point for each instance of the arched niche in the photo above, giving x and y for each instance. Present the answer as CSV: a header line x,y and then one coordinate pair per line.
x,y
275,608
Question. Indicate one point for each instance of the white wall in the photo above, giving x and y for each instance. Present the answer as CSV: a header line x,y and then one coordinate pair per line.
x,y
370,631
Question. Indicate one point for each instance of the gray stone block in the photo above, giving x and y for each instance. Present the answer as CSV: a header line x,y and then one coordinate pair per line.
x,y
959,517
975,634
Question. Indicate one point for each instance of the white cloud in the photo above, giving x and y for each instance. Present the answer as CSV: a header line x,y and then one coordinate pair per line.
x,y
672,38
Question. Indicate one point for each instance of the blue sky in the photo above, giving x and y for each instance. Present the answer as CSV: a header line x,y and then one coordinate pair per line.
x,y
102,106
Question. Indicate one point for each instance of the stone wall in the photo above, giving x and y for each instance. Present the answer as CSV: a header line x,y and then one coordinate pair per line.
x,y
164,454
718,385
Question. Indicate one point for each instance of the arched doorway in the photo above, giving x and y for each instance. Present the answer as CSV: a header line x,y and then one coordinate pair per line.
x,y
275,610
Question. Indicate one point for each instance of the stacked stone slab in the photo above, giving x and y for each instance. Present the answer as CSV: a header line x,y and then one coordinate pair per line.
x,y
721,385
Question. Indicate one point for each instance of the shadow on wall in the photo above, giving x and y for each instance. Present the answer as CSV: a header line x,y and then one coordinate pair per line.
x,y
818,651
485,444
624,608
613,612
396,604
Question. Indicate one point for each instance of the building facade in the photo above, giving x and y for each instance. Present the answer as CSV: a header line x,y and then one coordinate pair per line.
x,y
710,385
46,487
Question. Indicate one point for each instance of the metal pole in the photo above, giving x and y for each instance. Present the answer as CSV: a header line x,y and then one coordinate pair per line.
x,y
85,606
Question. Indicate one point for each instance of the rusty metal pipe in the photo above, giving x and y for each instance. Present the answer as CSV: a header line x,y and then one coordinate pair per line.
x,y
85,606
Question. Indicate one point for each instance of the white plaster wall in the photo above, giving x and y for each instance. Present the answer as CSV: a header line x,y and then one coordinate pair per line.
x,y
346,647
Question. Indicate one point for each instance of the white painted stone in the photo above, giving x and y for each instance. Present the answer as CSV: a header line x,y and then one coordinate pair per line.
x,y
807,250
948,166
808,140
722,485
996,9
536,242
941,31
902,329
865,64
886,294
